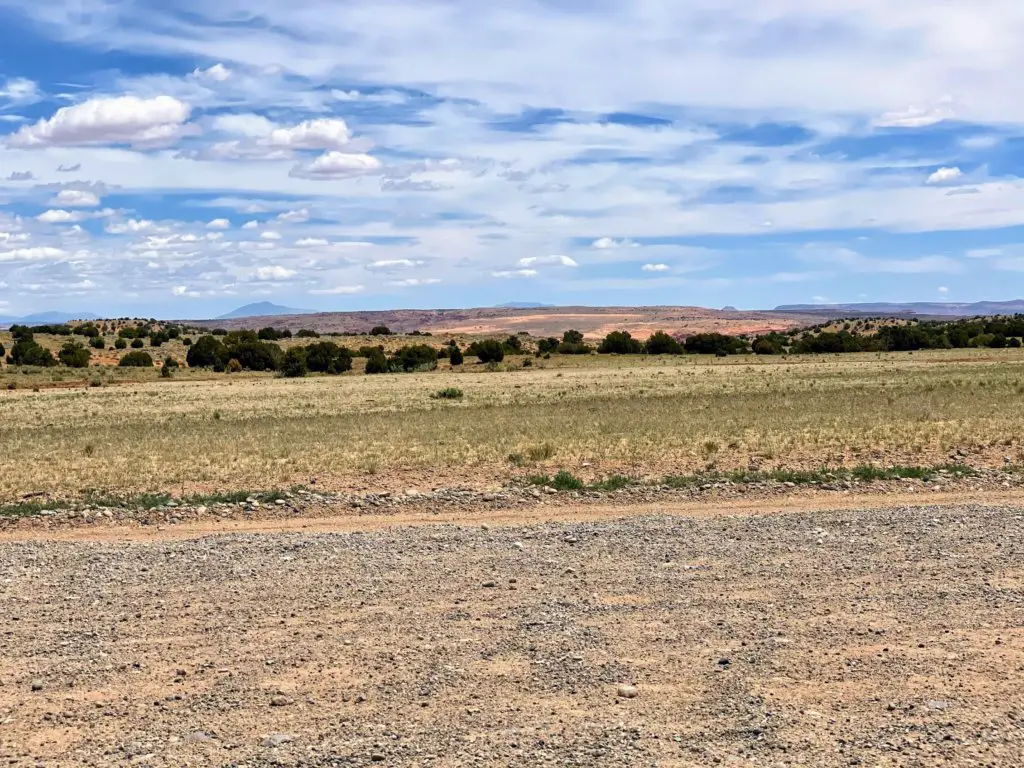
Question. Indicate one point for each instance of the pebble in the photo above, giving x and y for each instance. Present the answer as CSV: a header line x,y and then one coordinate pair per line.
x,y
277,739
280,701
37,685
627,692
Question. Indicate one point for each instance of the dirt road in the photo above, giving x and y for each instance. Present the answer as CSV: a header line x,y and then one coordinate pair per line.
x,y
670,636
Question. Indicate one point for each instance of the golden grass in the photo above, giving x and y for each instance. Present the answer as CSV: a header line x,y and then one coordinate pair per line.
x,y
634,415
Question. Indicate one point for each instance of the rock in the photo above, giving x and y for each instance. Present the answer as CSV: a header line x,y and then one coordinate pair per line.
x,y
280,701
517,545
277,739
488,585
198,737
377,757
280,502
626,692
37,685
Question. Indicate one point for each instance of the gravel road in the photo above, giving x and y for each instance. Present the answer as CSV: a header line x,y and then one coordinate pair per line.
x,y
875,637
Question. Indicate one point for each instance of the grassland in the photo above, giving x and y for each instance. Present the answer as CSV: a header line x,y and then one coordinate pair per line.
x,y
596,416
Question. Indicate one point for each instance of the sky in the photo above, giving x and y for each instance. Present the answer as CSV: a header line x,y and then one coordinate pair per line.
x,y
178,158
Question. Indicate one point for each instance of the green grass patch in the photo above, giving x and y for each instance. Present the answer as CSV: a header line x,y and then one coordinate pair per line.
x,y
448,393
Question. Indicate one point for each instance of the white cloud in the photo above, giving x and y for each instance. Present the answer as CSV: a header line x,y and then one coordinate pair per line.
x,y
20,90
39,253
76,198
270,235
218,73
294,217
219,224
514,273
915,117
337,165
179,290
655,267
392,265
251,225
275,272
983,253
943,289
121,120
558,261
339,290
58,216
412,282
944,176
322,133
129,226
851,261
312,242
605,244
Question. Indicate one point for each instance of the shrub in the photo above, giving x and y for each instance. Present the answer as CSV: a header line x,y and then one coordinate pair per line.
x,y
120,344
455,356
715,344
2,350
574,348
74,355
136,359
770,344
328,357
378,363
306,333
234,365
367,351
487,351
547,346
219,332
513,345
187,341
26,351
268,334
294,365
207,352
170,362
380,330
620,343
97,343
418,357
660,343
566,481
449,393
255,355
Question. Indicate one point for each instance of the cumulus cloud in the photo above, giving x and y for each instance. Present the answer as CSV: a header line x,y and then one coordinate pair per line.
x,y
121,120
76,198
943,289
337,165
219,224
312,242
130,226
557,261
275,272
58,216
322,133
39,253
244,124
944,176
179,290
251,225
605,244
294,217
20,90
514,273
21,176
655,267
270,235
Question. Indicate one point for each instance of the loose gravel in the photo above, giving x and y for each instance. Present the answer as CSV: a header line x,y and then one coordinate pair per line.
x,y
880,637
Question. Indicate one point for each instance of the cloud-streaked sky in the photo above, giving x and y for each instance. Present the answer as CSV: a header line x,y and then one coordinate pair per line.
x,y
179,158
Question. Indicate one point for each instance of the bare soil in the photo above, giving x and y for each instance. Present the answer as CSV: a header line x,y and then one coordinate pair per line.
x,y
880,631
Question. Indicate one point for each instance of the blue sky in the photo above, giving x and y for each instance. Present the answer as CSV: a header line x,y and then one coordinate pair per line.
x,y
180,158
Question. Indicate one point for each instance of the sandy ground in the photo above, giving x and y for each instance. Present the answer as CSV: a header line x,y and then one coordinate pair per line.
x,y
879,631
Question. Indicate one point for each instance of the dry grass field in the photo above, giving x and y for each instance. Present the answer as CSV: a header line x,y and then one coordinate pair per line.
x,y
596,416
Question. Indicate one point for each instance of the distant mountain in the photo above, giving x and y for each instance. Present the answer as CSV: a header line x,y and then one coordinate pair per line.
x,y
264,309
524,305
48,318
937,308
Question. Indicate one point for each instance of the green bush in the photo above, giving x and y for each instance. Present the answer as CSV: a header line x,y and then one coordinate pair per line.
x,y
74,355
186,341
2,350
380,330
268,334
120,344
138,344
418,357
455,356
620,343
207,352
660,343
96,342
368,351
378,363
306,333
328,357
136,359
487,351
715,344
566,481
27,351
294,365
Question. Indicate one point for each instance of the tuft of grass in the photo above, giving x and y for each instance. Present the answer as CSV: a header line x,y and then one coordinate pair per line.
x,y
448,393
566,481
541,452
613,483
